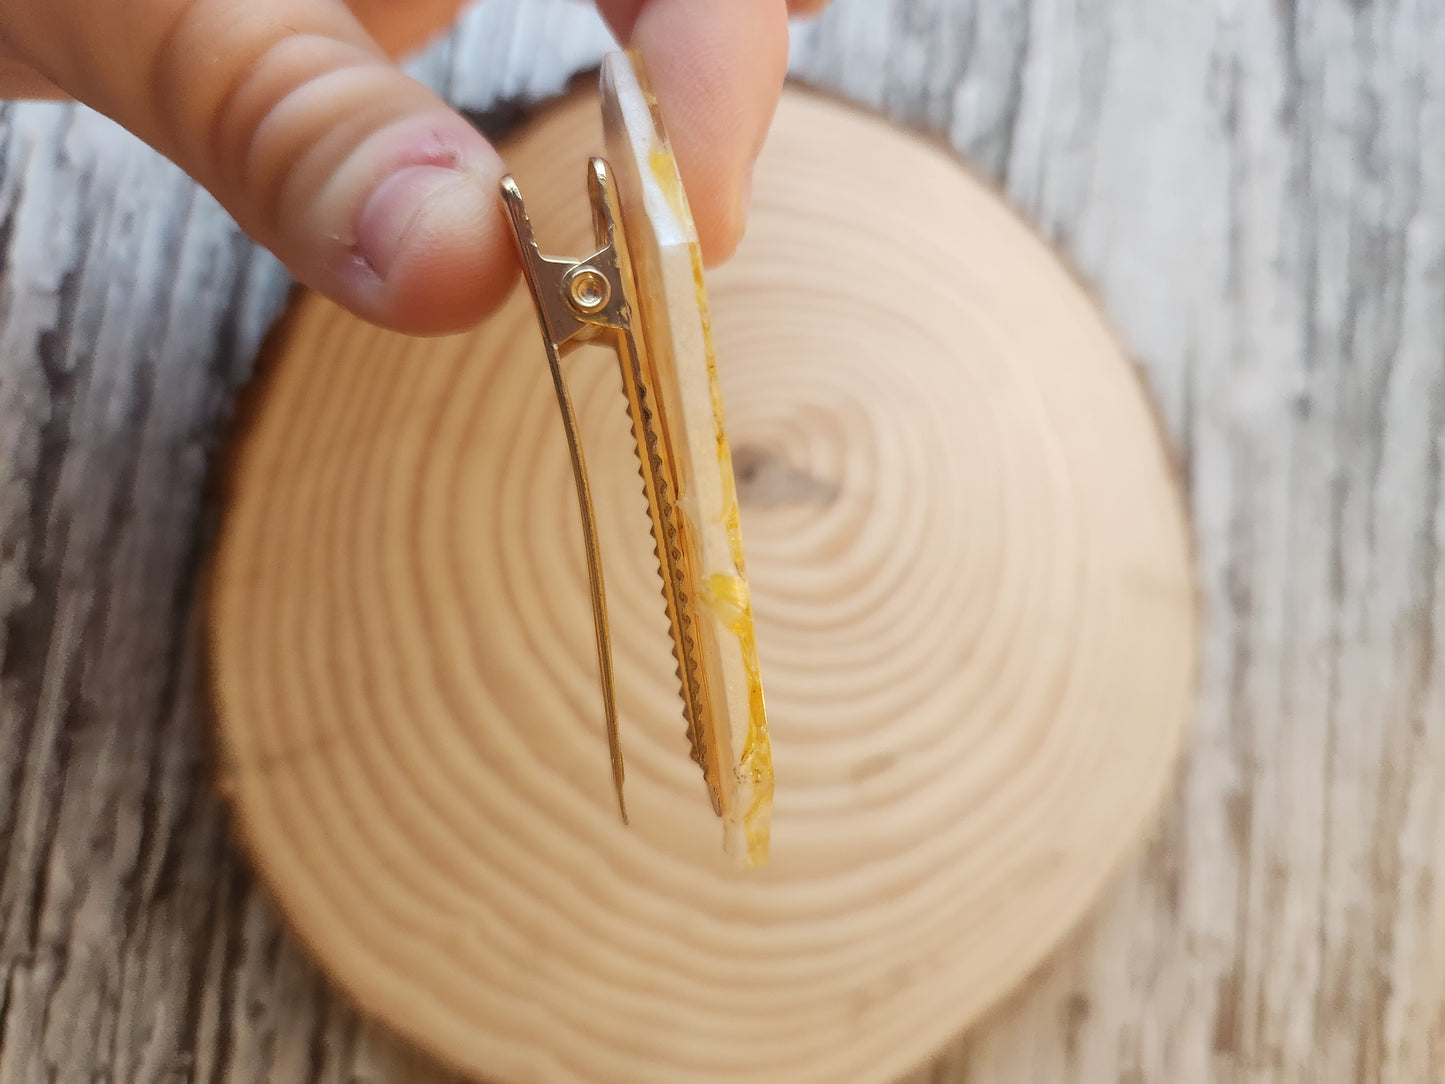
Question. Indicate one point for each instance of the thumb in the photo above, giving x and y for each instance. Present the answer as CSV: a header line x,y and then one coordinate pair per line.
x,y
362,181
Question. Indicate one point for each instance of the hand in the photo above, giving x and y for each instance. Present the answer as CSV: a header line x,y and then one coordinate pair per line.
x,y
368,187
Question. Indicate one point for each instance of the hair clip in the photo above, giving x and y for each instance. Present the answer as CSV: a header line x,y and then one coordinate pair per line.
x,y
642,293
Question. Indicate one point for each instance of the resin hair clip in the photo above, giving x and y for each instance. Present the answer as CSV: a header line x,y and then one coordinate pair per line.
x,y
642,293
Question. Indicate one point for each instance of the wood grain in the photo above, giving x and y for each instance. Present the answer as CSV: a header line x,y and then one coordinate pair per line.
x,y
1255,194
977,618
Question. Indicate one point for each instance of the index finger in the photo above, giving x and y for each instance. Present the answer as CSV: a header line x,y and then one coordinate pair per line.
x,y
717,70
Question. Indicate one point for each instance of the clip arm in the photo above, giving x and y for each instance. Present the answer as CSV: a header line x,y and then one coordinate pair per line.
x,y
573,298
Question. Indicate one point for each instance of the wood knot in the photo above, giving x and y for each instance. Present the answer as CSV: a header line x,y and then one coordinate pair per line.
x,y
767,479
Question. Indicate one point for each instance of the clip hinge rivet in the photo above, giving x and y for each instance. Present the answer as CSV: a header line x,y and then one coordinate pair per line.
x,y
587,290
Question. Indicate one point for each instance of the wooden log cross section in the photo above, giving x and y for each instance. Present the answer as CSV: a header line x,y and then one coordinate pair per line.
x,y
971,580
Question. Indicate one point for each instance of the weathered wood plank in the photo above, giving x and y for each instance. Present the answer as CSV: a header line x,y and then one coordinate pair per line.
x,y
1257,195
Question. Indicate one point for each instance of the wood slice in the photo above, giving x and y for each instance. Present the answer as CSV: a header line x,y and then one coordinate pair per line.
x,y
971,578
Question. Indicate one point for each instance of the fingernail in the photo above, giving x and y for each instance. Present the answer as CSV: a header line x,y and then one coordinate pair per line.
x,y
391,209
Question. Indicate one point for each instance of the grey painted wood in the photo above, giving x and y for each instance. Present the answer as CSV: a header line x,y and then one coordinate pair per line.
x,y
1256,192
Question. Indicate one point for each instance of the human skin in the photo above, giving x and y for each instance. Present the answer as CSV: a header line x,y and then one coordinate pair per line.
x,y
373,191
